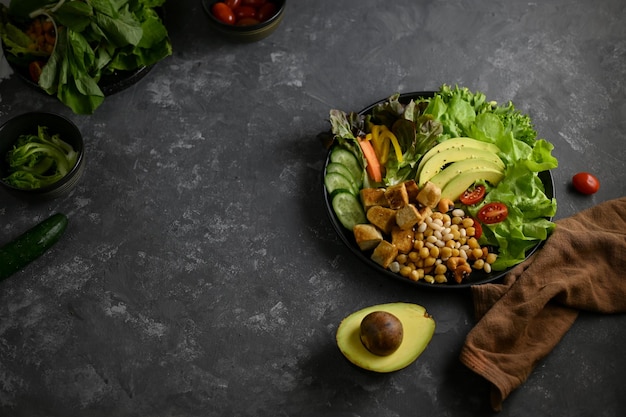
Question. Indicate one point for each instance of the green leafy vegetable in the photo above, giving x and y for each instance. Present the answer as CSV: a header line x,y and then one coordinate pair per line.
x,y
37,161
95,38
464,113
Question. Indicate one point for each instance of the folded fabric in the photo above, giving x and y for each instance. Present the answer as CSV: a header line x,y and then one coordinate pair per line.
x,y
581,267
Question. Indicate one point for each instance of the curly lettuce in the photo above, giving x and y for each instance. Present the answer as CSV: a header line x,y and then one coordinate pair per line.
x,y
465,113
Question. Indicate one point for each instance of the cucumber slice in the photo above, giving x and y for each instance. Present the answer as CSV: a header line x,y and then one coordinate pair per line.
x,y
346,158
335,181
348,209
343,170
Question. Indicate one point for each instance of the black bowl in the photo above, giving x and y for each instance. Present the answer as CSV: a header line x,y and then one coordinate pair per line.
x,y
28,123
477,277
250,33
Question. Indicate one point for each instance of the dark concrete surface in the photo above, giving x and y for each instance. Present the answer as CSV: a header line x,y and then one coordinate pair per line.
x,y
200,275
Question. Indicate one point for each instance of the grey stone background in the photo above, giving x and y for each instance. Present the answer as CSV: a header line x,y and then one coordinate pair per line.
x,y
200,275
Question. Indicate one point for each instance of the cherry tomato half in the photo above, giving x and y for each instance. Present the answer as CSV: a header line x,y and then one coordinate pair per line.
x,y
473,195
586,183
223,13
493,213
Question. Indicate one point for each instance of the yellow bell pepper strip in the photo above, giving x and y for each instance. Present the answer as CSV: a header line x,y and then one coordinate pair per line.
x,y
385,133
380,145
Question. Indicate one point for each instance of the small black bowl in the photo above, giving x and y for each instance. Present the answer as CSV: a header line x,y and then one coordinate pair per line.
x,y
251,33
28,123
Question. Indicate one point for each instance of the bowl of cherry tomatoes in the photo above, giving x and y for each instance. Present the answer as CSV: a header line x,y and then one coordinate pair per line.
x,y
245,20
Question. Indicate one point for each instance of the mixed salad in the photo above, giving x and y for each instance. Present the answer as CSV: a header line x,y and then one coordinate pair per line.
x,y
67,46
513,212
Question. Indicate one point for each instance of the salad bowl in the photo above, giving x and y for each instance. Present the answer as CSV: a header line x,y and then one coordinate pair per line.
x,y
347,236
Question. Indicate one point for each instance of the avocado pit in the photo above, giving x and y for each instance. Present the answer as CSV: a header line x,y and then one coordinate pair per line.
x,y
381,333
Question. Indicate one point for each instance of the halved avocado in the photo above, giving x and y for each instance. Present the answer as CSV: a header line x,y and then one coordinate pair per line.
x,y
457,186
462,142
418,327
461,167
437,162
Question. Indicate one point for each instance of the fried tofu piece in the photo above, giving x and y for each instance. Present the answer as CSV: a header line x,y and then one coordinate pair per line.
x,y
402,239
397,196
408,216
429,195
384,254
412,190
382,217
367,236
425,212
371,197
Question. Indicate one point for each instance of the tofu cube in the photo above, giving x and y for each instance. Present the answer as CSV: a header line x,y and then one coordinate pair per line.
x,y
371,197
408,216
429,195
412,190
402,239
397,196
384,254
382,217
367,236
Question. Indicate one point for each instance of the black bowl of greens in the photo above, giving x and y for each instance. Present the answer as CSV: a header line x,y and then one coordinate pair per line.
x,y
77,52
42,156
527,187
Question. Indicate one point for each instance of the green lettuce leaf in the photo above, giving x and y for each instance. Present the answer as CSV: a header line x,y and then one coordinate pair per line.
x,y
464,113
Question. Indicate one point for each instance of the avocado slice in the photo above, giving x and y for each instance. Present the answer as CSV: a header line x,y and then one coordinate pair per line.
x,y
418,327
461,142
457,186
463,166
438,161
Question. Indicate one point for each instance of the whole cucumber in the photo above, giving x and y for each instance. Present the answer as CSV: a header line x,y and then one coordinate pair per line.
x,y
27,247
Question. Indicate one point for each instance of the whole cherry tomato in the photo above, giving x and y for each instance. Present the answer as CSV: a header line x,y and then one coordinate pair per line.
x,y
266,11
473,195
586,183
232,3
493,213
223,13
247,21
243,12
254,3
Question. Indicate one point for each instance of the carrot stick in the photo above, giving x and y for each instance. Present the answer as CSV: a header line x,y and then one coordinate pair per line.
x,y
373,166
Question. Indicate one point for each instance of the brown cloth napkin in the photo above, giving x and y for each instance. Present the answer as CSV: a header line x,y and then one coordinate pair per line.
x,y
581,267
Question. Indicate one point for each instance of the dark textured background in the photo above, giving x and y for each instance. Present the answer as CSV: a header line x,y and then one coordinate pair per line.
x,y
200,276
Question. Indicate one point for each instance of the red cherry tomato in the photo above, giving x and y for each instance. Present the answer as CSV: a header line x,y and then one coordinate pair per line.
x,y
223,13
254,3
266,11
243,12
493,213
232,3
247,21
473,195
586,183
